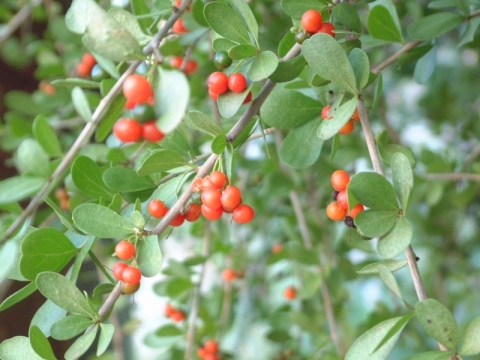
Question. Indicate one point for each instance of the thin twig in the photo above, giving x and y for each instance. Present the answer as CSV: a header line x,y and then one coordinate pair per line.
x,y
453,177
407,47
17,20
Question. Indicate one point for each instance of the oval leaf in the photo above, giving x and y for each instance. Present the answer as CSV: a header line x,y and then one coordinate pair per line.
x,y
126,180
149,256
471,345
402,177
339,117
100,221
161,160
242,51
375,223
397,240
80,103
70,326
295,8
105,338
425,67
226,22
40,344
81,345
346,14
391,265
288,70
361,67
432,26
32,158
263,65
46,137
381,25
87,177
17,347
374,191
201,122
219,144
19,188
230,102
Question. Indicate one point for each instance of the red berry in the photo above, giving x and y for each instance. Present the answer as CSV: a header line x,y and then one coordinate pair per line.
x,y
137,88
127,130
243,214
326,112
290,293
211,356
356,210
178,220
83,70
151,132
193,212
218,82
176,62
169,310
237,83
277,248
311,21
231,198
347,128
211,198
211,214
356,116
211,346
197,184
125,250
89,60
228,275
131,275
129,104
178,316
335,211
178,27
118,270
157,208
218,179
213,96
191,67
340,180
248,98
201,353
327,28
342,199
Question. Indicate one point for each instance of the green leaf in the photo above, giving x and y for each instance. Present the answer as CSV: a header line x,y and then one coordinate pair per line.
x,y
70,326
301,147
100,221
197,12
174,288
470,345
431,355
220,43
328,59
361,67
168,330
432,26
226,22
32,158
242,51
81,345
45,249
425,67
110,67
374,191
219,144
21,102
139,8
243,9
391,265
388,150
285,109
288,70
18,347
168,188
47,315
438,322
263,65
172,93
347,14
295,8
110,117
76,19
131,23
469,33
18,296
201,122
395,329
339,117
40,344
375,223
230,102
58,289
19,188
46,137
364,347
278,336
149,256
390,281
105,338
123,179
87,177
402,178
73,82
161,160
80,103
381,25
378,92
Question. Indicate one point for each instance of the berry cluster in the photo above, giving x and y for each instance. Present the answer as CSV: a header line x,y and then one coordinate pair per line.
x,y
122,271
219,83
338,210
209,350
158,209
84,68
139,94
174,314
312,23
348,127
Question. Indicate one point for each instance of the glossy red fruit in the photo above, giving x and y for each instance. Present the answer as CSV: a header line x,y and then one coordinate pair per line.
x,y
178,220
131,275
340,180
342,199
211,198
311,21
197,184
347,128
193,212
151,132
248,98
176,62
89,60
211,214
228,275
178,316
326,112
237,83
231,198
290,293
83,70
178,27
243,214
213,96
218,179
169,310
191,67
335,211
127,130
211,356
125,250
157,208
356,116
128,289
327,28
218,82
356,210
201,353
211,346
118,269
137,88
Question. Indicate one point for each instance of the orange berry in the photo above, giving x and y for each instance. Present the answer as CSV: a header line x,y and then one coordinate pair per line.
x,y
290,293
347,128
340,180
356,210
335,211
228,275
356,116
277,248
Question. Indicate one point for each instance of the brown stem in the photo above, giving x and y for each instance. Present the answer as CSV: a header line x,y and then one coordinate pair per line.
x,y
17,20
407,47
